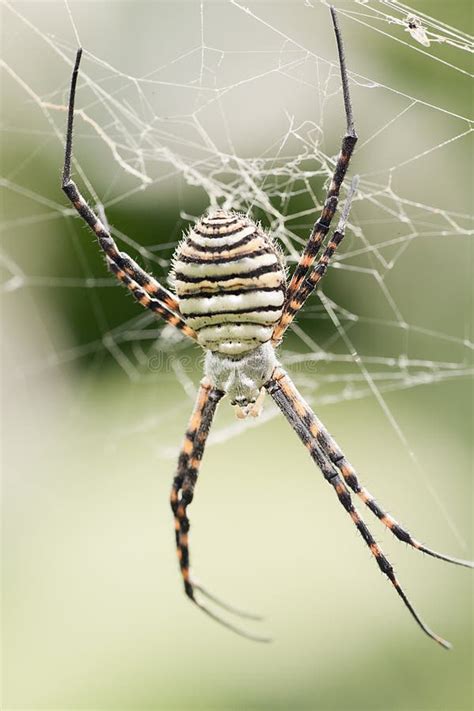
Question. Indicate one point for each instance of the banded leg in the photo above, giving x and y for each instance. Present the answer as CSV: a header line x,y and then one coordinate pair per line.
x,y
144,298
182,494
295,410
317,272
321,227
122,260
332,450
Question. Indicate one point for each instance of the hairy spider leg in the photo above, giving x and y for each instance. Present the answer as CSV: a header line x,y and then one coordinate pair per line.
x,y
330,447
143,297
318,271
182,494
124,263
321,227
296,412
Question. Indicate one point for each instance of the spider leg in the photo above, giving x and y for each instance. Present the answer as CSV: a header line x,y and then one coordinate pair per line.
x,y
144,298
297,413
321,227
317,271
124,263
182,494
332,450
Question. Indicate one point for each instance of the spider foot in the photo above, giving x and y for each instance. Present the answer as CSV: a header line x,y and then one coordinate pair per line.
x,y
197,587
225,606
436,637
443,556
237,630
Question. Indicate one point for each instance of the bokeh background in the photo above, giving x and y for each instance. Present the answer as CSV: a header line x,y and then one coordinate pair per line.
x,y
199,99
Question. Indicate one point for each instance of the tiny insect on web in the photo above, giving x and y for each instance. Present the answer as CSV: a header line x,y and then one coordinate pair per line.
x,y
231,297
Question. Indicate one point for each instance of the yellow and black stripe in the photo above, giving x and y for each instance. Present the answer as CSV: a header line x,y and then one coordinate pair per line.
x,y
182,491
145,299
182,494
319,443
229,277
295,294
145,288
307,286
338,459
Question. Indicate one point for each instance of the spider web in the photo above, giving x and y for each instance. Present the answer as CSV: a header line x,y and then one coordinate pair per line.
x,y
242,108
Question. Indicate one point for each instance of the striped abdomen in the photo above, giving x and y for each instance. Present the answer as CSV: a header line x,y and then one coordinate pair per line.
x,y
230,280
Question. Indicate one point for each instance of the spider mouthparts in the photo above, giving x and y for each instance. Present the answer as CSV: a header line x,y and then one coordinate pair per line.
x,y
254,409
241,412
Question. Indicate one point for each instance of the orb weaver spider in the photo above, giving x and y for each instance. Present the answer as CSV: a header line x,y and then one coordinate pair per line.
x,y
232,298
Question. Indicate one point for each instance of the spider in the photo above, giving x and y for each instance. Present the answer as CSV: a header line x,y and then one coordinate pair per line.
x,y
231,297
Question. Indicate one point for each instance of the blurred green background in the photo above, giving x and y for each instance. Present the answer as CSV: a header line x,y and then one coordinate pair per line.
x,y
96,397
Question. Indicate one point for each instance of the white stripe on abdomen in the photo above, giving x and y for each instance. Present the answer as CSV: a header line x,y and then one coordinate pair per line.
x,y
230,280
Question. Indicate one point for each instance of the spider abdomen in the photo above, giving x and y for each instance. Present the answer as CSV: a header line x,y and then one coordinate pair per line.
x,y
229,277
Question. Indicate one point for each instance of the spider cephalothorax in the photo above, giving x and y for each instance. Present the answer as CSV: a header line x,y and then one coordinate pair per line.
x,y
242,378
231,298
